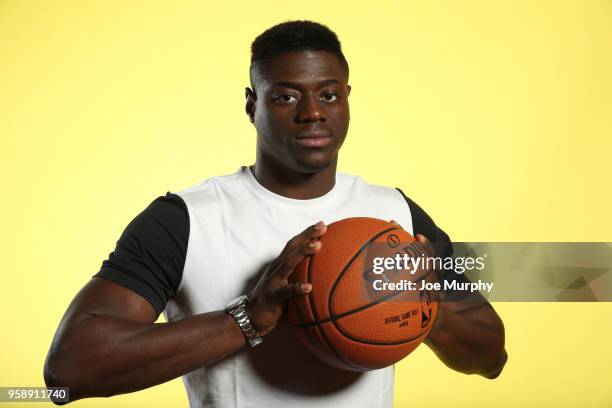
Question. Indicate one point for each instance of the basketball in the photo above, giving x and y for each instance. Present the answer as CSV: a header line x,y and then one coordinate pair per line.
x,y
352,318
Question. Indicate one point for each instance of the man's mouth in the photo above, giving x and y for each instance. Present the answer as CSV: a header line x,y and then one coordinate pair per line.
x,y
314,139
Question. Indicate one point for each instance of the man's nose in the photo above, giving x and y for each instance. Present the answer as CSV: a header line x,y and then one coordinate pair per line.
x,y
310,110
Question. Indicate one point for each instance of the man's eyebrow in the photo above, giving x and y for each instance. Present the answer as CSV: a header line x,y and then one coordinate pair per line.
x,y
295,85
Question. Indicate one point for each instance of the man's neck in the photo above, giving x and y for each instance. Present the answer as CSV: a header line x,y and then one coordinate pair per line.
x,y
293,184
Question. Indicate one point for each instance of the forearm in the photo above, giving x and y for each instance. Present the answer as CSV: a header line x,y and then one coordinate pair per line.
x,y
104,356
466,344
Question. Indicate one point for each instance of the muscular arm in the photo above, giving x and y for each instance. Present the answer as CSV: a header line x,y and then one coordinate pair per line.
x,y
107,343
467,337
469,340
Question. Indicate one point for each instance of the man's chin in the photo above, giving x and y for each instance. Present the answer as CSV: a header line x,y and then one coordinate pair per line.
x,y
313,166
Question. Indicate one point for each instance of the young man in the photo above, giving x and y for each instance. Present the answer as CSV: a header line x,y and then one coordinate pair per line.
x,y
191,254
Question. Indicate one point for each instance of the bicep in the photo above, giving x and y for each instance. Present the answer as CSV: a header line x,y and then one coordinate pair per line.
x,y
103,297
100,297
144,270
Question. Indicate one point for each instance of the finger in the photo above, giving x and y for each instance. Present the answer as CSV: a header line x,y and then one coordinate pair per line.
x,y
312,232
294,258
303,244
425,244
282,294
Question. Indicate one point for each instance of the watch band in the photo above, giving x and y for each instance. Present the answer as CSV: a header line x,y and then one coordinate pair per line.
x,y
238,312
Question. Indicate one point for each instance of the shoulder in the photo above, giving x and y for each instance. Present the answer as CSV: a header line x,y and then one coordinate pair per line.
x,y
170,205
167,214
422,222
150,254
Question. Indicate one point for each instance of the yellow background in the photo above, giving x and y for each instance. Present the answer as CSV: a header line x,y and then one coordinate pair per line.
x,y
495,116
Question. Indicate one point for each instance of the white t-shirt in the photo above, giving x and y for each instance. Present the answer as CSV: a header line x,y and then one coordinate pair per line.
x,y
193,251
236,227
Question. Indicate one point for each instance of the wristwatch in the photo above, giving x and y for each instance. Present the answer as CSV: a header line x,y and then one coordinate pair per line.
x,y
237,309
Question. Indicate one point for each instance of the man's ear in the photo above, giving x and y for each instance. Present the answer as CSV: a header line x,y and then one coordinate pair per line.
x,y
349,90
251,98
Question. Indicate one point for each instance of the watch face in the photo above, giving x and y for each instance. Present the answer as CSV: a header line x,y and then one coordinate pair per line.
x,y
240,300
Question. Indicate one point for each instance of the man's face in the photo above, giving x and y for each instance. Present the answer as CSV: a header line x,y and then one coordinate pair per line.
x,y
300,109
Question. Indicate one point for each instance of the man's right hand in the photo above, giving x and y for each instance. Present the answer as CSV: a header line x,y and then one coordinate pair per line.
x,y
268,297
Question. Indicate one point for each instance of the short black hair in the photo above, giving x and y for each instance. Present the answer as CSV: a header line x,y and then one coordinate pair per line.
x,y
298,35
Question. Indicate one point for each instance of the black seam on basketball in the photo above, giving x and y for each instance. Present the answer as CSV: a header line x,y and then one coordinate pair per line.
x,y
348,264
376,343
379,343
350,312
359,309
333,318
316,317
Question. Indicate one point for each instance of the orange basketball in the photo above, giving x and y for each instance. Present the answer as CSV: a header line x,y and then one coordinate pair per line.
x,y
348,319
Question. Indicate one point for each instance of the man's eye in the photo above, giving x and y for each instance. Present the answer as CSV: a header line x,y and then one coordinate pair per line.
x,y
285,98
329,97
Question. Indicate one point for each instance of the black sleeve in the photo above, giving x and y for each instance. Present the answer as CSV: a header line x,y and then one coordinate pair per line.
x,y
424,225
150,254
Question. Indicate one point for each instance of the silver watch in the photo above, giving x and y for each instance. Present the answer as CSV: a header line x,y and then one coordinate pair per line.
x,y
236,308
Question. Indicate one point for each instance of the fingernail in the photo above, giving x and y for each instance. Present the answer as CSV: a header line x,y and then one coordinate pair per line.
x,y
306,287
313,244
319,225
